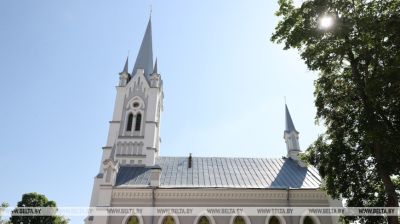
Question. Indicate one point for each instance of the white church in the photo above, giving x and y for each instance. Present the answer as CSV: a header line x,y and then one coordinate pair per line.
x,y
133,174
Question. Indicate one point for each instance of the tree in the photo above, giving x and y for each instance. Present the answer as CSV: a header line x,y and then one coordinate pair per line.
x,y
37,200
3,206
357,94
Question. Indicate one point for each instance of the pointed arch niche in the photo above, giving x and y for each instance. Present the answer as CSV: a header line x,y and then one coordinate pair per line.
x,y
275,219
169,219
132,219
204,218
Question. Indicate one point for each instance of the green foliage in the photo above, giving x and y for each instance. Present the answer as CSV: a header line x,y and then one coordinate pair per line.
x,y
357,94
37,200
4,205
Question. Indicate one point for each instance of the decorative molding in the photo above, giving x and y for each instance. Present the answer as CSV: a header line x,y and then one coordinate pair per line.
x,y
267,194
131,156
117,122
130,137
152,122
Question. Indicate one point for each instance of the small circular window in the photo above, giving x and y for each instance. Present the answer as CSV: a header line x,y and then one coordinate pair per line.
x,y
136,104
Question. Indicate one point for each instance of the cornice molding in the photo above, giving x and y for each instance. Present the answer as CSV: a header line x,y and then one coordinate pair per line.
x,y
130,137
271,194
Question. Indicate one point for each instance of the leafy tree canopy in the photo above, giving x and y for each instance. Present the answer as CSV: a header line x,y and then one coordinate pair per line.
x,y
357,94
37,200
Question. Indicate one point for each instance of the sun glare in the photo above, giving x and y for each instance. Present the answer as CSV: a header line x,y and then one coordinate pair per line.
x,y
326,22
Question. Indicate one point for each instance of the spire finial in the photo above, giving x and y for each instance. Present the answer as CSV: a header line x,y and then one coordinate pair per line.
x,y
151,8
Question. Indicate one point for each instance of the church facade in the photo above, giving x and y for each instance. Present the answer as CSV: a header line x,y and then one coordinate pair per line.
x,y
133,174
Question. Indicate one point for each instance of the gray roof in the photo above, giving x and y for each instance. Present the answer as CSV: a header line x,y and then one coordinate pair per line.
x,y
289,126
144,58
213,172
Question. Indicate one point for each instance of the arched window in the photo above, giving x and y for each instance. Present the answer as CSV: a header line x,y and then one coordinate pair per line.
x,y
133,220
308,220
274,220
239,220
138,122
203,220
129,123
168,220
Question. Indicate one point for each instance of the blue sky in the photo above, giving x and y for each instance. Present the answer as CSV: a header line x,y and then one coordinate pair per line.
x,y
224,85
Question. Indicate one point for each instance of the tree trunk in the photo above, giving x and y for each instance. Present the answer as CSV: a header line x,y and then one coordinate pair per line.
x,y
390,190
392,200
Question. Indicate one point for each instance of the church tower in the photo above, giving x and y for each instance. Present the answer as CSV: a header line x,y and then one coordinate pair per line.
x,y
134,132
291,136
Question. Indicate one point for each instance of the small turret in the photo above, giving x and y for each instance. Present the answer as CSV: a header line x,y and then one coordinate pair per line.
x,y
291,136
155,77
124,75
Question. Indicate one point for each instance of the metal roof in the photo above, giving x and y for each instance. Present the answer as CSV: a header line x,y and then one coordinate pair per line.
x,y
218,172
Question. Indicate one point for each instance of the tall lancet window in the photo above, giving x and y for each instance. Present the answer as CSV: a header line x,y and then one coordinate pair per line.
x,y
130,122
138,122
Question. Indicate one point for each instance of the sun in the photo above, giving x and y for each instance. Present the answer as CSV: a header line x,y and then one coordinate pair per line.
x,y
326,22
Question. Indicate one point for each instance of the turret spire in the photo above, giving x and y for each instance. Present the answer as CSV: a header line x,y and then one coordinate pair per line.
x,y
289,126
124,75
291,136
126,66
144,58
155,67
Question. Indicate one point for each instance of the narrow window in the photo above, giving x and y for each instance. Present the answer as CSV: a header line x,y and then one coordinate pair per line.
x,y
133,220
168,220
138,122
308,220
203,220
239,220
274,220
129,124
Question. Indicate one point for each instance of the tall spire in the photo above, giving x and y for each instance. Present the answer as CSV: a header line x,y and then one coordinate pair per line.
x,y
126,66
289,126
144,58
